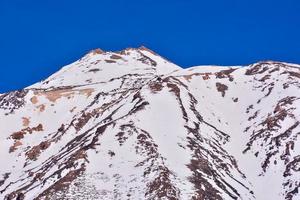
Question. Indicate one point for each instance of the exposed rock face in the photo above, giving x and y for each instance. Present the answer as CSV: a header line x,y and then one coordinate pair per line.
x,y
132,125
12,101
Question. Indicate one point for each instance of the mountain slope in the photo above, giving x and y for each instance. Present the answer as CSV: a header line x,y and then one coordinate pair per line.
x,y
258,106
132,125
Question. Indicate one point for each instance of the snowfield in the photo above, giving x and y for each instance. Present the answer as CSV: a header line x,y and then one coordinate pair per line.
x,y
132,125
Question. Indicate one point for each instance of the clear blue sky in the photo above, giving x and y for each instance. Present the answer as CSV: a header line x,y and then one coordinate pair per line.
x,y
38,37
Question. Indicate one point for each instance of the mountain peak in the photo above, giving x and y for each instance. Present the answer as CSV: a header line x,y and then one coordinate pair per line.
x,y
143,48
97,51
140,48
99,65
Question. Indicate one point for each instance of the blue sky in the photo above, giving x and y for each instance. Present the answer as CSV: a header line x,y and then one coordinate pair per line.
x,y
38,37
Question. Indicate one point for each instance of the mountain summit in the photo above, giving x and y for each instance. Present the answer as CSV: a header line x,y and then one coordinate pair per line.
x,y
101,66
132,125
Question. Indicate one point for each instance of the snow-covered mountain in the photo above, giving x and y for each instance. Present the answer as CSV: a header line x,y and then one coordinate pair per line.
x,y
132,125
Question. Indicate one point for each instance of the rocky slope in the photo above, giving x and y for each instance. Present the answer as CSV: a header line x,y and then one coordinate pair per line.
x,y
132,125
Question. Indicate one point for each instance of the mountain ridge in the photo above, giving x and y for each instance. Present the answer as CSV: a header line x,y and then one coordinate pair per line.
x,y
132,125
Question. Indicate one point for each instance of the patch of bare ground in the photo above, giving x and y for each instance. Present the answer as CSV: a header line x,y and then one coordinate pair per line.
x,y
5,177
292,74
115,57
205,76
155,87
34,100
84,118
253,116
20,134
88,91
147,60
54,95
274,69
95,63
143,48
15,146
188,77
94,70
225,74
266,77
35,151
257,69
26,121
97,51
15,196
221,88
41,107
121,137
110,61
235,99
73,109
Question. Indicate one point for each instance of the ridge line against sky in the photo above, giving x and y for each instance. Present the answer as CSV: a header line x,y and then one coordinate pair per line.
x,y
38,38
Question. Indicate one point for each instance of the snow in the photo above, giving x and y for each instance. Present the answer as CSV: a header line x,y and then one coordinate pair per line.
x,y
106,84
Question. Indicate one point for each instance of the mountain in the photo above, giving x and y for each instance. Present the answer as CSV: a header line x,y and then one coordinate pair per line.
x,y
133,125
